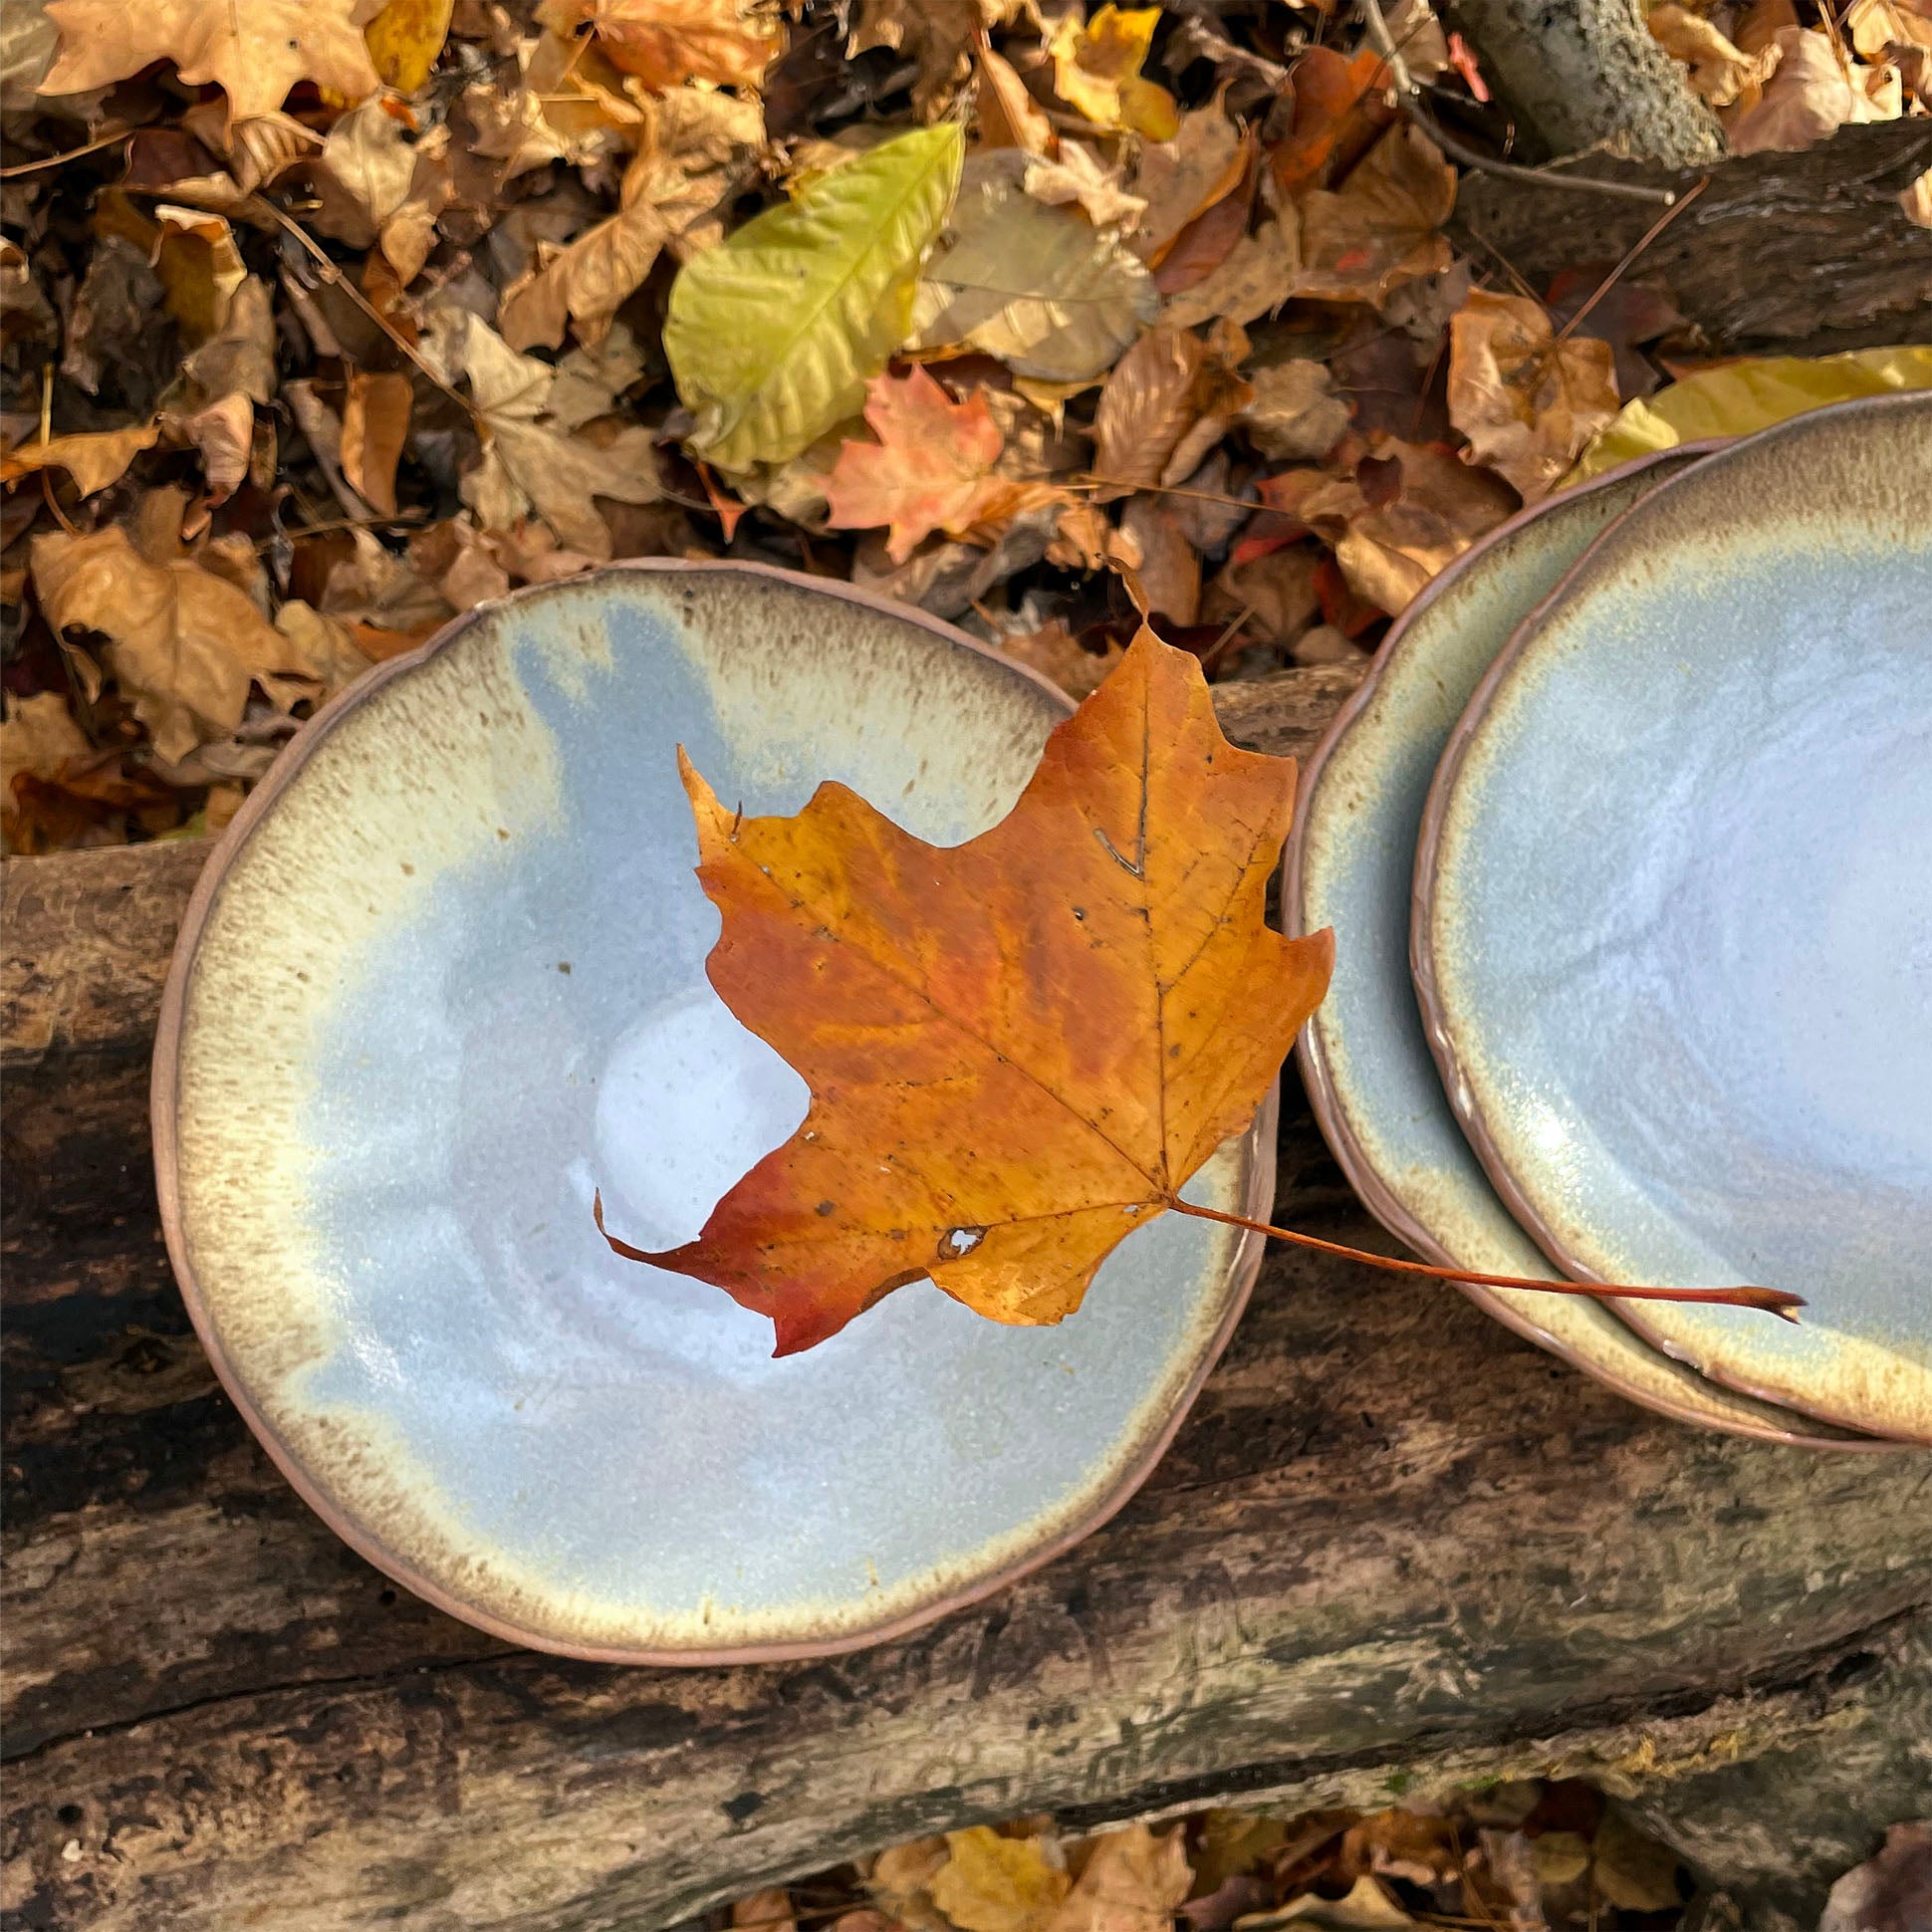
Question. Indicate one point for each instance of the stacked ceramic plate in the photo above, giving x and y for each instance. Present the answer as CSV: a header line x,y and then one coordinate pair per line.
x,y
1627,846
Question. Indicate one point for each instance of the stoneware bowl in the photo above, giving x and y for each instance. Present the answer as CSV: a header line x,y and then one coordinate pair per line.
x,y
1365,1062
1673,931
444,977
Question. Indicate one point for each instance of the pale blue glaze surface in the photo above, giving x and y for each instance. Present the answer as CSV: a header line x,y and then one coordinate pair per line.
x,y
1680,921
1370,1075
602,1454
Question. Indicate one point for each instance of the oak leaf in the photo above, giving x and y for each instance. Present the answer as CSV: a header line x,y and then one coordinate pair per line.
x,y
1004,1131
1527,403
932,468
255,53
1097,70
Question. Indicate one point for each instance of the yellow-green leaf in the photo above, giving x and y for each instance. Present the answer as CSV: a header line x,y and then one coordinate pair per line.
x,y
404,40
1748,395
773,333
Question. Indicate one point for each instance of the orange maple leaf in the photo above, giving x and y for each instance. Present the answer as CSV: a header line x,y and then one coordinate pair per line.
x,y
1020,1047
929,470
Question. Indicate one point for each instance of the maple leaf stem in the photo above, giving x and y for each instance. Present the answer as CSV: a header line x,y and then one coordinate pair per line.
x,y
1773,1301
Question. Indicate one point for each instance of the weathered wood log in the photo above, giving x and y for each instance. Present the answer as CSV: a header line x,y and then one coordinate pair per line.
x,y
1783,254
1393,1549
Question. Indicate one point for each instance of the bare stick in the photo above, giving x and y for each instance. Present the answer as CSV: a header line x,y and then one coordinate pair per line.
x,y
1773,1301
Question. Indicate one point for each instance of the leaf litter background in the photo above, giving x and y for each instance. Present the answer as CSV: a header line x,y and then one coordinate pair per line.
x,y
325,322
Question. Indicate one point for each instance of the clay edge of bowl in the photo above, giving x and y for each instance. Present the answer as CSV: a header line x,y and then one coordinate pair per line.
x,y
1317,1076
1138,1460
1669,497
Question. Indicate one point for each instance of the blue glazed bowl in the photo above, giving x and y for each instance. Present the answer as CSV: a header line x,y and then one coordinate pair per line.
x,y
1365,1061
444,978
1673,930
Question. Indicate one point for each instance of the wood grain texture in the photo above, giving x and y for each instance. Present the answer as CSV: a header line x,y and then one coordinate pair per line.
x,y
1393,1546
1783,254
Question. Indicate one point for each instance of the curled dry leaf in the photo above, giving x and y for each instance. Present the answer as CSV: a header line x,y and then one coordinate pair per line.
x,y
1037,287
1132,1881
1182,178
1880,27
376,426
773,333
1077,174
1169,573
1526,403
1390,550
696,151
1808,96
994,1883
1891,1891
93,461
877,965
1054,652
532,461
224,435
183,644
666,42
1336,114
1009,117
1097,70
1916,199
932,468
1719,72
1293,414
939,34
255,53
1383,227
1168,400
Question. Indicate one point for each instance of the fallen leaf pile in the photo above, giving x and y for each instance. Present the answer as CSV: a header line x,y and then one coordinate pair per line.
x,y
327,320
1521,1856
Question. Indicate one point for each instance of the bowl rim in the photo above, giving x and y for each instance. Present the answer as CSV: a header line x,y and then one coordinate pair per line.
x,y
1317,1076
1824,420
164,1109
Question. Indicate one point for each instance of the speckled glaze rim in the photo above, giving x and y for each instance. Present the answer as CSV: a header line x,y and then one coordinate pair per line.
x,y
1475,1127
1316,1076
164,1103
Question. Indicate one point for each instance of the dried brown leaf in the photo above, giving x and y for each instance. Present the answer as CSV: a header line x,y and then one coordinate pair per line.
x,y
376,426
1383,227
94,460
1132,1881
1293,414
991,1883
666,42
1526,403
254,54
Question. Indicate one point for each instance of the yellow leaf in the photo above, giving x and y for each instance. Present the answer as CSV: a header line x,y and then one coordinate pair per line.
x,y
93,461
1748,396
404,40
996,1884
773,334
254,52
1097,70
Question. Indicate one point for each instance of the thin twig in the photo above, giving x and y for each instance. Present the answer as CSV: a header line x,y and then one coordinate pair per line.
x,y
1458,149
1773,1301
72,155
332,272
1092,482
1642,242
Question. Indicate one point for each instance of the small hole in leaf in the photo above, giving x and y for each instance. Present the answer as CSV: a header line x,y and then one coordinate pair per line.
x,y
960,1241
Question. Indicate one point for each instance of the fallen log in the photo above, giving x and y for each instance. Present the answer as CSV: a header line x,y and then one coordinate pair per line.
x,y
1393,1549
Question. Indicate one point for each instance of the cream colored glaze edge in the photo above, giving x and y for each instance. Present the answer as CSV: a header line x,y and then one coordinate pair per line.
x,y
1144,1441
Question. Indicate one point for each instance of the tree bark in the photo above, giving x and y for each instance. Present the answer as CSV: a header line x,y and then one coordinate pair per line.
x,y
1588,74
1393,1549
1783,254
